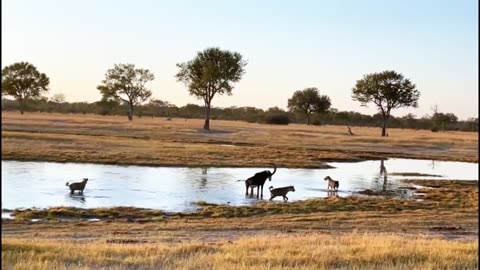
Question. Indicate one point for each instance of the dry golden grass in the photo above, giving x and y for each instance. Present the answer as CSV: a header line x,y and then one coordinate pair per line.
x,y
147,141
307,251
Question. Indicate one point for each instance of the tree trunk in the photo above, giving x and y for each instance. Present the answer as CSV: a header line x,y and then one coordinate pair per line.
x,y
206,126
308,119
130,113
384,126
22,106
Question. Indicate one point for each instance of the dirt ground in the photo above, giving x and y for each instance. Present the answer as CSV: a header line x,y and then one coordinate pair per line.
x,y
158,142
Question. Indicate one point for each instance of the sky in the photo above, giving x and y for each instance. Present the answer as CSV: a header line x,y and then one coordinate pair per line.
x,y
289,46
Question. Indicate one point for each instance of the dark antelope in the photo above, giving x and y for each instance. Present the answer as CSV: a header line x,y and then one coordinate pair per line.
x,y
258,180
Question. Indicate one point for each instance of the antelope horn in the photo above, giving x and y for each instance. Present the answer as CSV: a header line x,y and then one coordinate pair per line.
x,y
274,169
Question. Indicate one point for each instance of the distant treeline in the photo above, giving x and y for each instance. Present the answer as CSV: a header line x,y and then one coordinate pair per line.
x,y
274,115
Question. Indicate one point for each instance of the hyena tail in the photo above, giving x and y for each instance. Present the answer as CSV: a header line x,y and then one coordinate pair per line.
x,y
66,184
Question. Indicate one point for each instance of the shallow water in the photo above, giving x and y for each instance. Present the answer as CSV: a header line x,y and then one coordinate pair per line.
x,y
42,184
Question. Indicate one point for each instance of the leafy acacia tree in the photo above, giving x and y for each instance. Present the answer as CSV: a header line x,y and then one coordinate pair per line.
x,y
212,71
126,83
387,90
308,101
23,82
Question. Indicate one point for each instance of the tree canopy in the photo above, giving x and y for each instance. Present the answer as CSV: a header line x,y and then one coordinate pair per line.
x,y
23,82
58,98
308,101
212,71
126,83
387,90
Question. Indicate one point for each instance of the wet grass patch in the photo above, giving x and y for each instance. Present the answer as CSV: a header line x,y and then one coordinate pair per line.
x,y
414,174
82,213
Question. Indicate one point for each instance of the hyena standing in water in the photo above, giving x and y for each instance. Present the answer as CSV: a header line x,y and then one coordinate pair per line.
x,y
77,186
332,184
274,192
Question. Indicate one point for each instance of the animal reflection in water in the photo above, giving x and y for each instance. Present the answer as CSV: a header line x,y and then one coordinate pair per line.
x,y
332,193
258,180
383,172
203,178
77,197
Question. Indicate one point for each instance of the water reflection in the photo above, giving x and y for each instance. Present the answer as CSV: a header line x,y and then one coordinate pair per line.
x,y
332,193
383,172
77,197
203,179
382,167
174,189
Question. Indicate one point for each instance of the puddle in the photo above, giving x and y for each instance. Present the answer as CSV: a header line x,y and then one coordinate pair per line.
x,y
42,184
7,215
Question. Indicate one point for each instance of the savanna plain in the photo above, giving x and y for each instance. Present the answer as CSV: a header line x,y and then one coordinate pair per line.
x,y
435,229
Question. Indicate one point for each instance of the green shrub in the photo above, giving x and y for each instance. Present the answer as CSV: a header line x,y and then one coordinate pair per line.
x,y
277,119
316,122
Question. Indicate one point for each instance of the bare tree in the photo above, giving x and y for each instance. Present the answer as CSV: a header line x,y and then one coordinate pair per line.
x,y
434,108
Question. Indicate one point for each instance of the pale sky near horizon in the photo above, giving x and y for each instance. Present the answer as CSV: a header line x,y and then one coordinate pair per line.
x,y
289,45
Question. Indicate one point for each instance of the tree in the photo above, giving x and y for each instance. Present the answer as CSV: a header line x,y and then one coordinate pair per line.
x,y
126,83
446,119
212,71
410,120
24,82
275,110
161,107
434,108
473,123
308,101
58,98
107,106
387,90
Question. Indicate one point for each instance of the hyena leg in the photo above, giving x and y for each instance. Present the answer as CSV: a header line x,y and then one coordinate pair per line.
x,y
285,198
271,198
